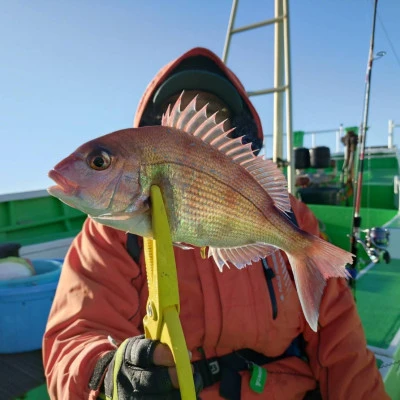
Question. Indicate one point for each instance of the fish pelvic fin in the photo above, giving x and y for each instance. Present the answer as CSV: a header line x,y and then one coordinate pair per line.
x,y
240,256
311,269
197,123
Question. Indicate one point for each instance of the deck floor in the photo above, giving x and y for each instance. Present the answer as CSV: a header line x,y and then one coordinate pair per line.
x,y
20,373
378,303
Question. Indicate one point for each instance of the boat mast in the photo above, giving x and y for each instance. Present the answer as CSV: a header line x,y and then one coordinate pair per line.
x,y
355,235
282,80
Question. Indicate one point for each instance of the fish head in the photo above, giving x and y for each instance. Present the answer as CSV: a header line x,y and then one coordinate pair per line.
x,y
101,178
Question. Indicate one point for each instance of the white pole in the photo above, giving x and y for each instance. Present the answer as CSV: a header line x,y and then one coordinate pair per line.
x,y
229,31
313,140
288,79
339,135
390,136
279,71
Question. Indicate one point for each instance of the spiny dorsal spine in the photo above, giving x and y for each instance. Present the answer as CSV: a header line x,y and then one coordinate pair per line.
x,y
197,123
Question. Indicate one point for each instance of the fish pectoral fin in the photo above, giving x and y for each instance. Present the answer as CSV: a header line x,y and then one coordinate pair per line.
x,y
240,256
114,217
183,246
121,215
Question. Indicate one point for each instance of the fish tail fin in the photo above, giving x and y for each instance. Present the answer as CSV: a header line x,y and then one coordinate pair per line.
x,y
321,261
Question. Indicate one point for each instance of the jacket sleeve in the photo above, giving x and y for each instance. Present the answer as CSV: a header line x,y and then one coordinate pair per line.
x,y
338,352
97,295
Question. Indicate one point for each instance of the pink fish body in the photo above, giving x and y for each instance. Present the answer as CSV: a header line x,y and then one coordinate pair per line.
x,y
216,194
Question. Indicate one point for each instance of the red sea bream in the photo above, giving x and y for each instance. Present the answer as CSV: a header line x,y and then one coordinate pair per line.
x,y
216,193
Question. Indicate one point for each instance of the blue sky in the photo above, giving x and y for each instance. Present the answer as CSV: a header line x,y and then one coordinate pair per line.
x,y
74,70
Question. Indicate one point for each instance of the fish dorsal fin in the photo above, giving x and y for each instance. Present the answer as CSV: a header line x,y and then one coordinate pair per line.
x,y
196,123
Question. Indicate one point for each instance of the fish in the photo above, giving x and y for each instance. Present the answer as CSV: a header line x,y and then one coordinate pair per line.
x,y
217,194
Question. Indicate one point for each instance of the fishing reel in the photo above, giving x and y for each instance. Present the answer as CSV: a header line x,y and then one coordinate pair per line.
x,y
376,243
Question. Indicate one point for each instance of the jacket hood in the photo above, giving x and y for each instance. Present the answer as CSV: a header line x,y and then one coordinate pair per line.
x,y
198,60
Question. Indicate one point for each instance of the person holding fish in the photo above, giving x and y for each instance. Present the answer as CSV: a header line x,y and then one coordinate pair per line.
x,y
284,318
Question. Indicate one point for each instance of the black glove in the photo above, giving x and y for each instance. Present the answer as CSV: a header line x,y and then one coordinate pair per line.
x,y
132,375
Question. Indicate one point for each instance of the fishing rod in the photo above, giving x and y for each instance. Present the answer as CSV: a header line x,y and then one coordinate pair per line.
x,y
377,238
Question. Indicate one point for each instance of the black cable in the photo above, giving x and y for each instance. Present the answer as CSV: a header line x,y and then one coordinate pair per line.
x,y
390,42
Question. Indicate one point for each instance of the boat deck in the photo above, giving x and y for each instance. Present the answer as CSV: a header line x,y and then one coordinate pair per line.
x,y
20,373
378,300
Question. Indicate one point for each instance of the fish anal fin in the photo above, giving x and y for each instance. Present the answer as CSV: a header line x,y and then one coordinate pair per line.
x,y
240,256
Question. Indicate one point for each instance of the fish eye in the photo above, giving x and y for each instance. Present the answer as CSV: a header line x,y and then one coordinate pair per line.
x,y
99,160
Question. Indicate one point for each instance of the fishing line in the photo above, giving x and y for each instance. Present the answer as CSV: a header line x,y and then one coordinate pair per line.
x,y
389,41
368,188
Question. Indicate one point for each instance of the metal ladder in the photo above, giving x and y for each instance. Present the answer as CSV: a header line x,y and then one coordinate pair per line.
x,y
282,80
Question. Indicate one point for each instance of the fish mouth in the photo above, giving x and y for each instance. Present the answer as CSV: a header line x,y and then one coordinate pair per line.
x,y
63,184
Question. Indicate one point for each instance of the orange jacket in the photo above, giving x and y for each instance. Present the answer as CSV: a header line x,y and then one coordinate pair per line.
x,y
102,292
